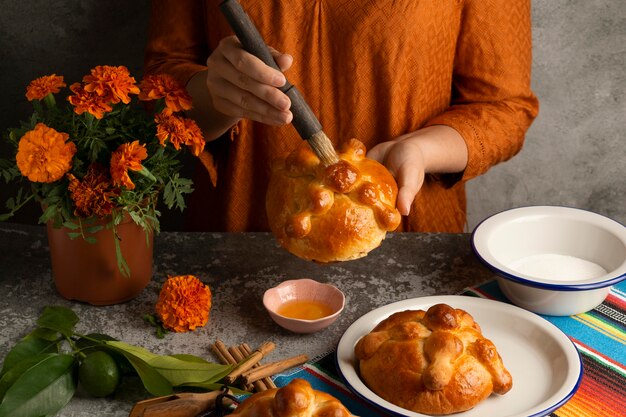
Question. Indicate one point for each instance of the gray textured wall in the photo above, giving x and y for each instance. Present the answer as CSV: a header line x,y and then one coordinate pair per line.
x,y
574,153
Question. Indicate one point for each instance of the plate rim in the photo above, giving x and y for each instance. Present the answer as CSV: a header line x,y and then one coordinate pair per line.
x,y
568,346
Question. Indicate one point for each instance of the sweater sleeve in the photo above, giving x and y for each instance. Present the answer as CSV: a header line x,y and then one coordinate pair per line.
x,y
492,104
176,39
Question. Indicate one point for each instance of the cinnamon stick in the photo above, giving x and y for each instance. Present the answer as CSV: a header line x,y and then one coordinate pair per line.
x,y
241,356
249,362
269,383
220,356
273,368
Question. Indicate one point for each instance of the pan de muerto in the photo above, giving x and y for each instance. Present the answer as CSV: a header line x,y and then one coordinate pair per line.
x,y
433,362
296,399
331,213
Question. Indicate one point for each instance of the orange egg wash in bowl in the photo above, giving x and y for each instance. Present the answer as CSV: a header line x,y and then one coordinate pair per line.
x,y
304,305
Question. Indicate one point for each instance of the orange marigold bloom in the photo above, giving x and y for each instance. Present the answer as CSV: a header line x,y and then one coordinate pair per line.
x,y
179,131
114,83
84,101
43,155
170,127
42,86
128,156
154,87
195,138
184,303
92,196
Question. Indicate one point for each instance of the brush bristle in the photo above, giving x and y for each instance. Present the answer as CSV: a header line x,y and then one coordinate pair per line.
x,y
323,148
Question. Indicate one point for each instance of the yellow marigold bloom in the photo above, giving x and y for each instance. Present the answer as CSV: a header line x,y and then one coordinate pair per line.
x,y
128,156
114,83
84,101
43,155
184,303
42,86
154,87
92,196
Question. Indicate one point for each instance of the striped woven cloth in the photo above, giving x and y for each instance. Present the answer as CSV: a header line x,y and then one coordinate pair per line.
x,y
599,335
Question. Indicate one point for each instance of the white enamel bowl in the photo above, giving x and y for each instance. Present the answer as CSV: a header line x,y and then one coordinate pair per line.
x,y
553,260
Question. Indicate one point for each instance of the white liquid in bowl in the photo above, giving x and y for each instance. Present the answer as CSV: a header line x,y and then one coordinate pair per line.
x,y
557,267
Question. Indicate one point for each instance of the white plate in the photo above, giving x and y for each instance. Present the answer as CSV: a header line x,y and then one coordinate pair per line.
x,y
545,365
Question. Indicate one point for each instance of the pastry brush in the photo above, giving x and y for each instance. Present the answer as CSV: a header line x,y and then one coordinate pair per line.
x,y
304,120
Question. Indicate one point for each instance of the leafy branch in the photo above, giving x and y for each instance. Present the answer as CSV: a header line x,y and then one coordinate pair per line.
x,y
38,374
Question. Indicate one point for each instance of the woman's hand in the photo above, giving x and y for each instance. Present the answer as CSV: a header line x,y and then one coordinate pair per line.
x,y
242,86
238,85
434,149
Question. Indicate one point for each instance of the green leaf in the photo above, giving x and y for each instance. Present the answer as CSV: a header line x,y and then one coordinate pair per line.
x,y
121,262
94,229
160,330
71,225
146,173
48,213
61,319
138,357
74,235
43,333
180,370
27,347
16,371
43,389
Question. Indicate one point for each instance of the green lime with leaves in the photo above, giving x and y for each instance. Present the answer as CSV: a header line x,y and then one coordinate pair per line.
x,y
95,341
99,374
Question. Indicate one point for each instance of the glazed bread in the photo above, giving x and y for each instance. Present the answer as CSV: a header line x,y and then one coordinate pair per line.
x,y
331,213
432,362
297,399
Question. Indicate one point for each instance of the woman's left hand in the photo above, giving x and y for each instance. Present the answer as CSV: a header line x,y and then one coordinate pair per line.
x,y
434,149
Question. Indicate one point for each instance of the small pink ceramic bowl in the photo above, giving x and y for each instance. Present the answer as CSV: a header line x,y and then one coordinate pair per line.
x,y
305,293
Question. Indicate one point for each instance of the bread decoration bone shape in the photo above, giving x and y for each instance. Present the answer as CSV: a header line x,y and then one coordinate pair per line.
x,y
296,399
331,213
433,362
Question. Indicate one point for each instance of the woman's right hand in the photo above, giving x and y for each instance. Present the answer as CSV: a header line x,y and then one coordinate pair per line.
x,y
240,85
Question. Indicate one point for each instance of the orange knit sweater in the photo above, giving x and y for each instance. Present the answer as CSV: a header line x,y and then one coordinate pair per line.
x,y
371,70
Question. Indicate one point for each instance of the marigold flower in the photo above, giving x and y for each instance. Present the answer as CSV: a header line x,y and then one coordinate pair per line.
x,y
184,303
114,83
154,87
92,196
170,127
128,156
84,101
43,155
179,131
195,138
42,86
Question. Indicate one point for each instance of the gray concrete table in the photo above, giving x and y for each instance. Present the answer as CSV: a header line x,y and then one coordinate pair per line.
x,y
238,267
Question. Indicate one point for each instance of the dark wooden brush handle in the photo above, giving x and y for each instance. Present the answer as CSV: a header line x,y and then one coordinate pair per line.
x,y
304,120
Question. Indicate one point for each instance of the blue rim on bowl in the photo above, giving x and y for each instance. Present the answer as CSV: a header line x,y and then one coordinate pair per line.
x,y
484,231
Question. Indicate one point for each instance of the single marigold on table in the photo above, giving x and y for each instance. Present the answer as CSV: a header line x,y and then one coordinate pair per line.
x,y
184,303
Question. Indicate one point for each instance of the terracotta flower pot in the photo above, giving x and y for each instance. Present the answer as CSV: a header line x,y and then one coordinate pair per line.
x,y
88,272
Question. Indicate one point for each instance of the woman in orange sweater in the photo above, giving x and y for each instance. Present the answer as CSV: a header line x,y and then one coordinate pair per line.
x,y
437,90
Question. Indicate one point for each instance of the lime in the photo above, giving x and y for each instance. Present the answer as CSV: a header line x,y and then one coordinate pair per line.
x,y
99,374
90,343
